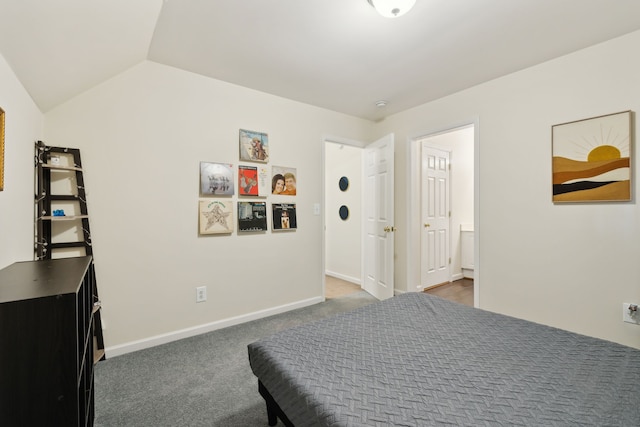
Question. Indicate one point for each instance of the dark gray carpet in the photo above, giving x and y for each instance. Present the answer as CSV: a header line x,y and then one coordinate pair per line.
x,y
199,381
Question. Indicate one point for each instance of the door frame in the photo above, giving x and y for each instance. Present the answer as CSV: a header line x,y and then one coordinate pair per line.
x,y
331,139
413,204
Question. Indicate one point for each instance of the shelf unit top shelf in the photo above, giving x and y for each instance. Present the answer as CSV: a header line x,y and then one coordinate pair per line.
x,y
61,168
29,279
63,217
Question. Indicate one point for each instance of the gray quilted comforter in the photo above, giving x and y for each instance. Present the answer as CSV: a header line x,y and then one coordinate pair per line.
x,y
419,360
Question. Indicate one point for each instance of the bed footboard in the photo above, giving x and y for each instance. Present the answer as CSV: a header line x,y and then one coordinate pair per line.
x,y
273,410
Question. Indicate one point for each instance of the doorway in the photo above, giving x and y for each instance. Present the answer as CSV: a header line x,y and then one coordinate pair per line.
x,y
443,207
342,188
359,230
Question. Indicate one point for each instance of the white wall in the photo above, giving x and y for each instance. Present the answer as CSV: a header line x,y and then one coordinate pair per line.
x,y
23,126
142,136
144,132
568,265
343,238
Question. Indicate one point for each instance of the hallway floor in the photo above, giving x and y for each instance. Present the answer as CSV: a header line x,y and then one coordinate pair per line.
x,y
335,288
459,291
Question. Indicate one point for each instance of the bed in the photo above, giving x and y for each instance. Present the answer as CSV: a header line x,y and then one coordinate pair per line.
x,y
420,360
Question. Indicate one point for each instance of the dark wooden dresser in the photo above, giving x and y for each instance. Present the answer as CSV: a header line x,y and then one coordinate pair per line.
x,y
46,343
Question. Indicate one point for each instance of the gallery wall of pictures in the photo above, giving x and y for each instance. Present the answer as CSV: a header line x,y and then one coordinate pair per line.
x,y
250,196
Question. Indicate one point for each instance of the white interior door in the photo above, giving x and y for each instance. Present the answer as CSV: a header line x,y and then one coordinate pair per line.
x,y
378,203
435,236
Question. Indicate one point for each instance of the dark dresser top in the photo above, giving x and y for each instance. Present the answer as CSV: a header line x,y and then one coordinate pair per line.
x,y
38,279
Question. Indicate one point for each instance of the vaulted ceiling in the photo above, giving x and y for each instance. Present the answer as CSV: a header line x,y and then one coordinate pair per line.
x,y
336,54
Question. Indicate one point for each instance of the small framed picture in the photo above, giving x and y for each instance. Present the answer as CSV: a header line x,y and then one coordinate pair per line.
x,y
216,216
284,216
252,216
284,181
254,146
216,179
248,181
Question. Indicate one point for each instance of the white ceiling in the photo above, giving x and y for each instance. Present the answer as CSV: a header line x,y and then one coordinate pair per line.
x,y
336,54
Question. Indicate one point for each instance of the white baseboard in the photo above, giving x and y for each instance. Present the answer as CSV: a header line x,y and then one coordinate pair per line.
x,y
454,277
118,350
344,277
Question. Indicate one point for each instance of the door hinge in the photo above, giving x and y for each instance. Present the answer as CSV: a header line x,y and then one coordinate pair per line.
x,y
449,260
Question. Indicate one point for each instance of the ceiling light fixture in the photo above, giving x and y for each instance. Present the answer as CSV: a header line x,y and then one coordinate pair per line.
x,y
392,8
381,104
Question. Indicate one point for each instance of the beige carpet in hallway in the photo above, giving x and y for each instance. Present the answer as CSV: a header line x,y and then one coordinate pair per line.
x,y
335,288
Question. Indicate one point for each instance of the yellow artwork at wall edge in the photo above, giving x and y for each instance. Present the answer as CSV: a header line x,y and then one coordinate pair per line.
x,y
1,149
592,159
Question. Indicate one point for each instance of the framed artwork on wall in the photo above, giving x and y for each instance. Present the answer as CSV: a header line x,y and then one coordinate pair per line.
x,y
284,216
247,180
254,146
252,216
1,149
216,216
592,159
216,179
284,181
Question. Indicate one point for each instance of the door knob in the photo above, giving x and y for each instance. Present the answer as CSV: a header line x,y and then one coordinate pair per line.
x,y
388,229
426,225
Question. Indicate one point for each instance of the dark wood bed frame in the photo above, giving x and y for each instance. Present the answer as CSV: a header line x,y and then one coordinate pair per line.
x,y
273,409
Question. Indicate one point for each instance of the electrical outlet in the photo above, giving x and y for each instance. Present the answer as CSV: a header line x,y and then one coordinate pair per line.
x,y
630,316
201,294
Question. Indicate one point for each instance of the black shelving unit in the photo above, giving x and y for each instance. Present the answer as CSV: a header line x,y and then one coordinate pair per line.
x,y
47,321
61,210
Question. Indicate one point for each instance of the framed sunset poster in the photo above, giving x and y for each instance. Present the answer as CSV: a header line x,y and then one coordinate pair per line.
x,y
592,159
